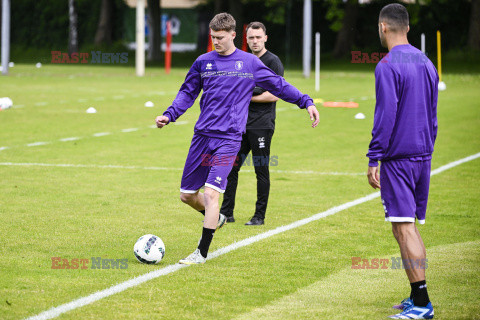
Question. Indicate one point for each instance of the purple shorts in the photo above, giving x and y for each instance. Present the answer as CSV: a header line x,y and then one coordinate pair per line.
x,y
208,163
404,191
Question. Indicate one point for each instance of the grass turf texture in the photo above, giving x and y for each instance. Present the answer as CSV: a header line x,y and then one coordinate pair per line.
x,y
84,212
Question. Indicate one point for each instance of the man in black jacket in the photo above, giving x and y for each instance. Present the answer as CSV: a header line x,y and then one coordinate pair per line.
x,y
259,132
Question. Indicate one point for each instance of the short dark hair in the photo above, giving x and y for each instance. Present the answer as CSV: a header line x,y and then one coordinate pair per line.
x,y
257,25
396,16
223,22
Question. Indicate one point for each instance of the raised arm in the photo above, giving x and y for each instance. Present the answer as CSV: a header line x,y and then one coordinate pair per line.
x,y
185,98
279,87
262,96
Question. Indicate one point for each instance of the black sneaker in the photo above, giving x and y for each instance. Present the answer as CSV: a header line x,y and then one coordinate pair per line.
x,y
255,222
230,219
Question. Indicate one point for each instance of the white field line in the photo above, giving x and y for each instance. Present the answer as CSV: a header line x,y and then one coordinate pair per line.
x,y
95,166
69,139
35,144
75,304
454,164
68,165
116,97
179,123
334,173
101,134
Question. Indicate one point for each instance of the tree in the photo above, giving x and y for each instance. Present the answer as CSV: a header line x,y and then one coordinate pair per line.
x,y
236,10
72,30
105,24
155,36
474,29
345,37
219,6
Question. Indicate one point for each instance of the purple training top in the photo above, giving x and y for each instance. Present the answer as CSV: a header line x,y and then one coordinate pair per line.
x,y
228,83
405,123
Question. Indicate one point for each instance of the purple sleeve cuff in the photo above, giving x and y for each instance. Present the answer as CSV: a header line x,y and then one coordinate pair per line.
x,y
308,103
373,163
170,118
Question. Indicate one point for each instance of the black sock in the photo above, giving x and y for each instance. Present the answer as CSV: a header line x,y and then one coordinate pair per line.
x,y
202,211
207,236
419,293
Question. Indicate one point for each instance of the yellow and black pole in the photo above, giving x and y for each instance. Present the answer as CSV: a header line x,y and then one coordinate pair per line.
x,y
441,85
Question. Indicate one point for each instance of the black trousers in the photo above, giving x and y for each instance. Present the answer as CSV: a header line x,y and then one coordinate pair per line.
x,y
258,141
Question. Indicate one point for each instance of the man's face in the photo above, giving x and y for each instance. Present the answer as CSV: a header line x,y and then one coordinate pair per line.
x,y
222,40
256,39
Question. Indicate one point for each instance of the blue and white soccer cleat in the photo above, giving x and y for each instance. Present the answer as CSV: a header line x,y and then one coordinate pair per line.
x,y
222,219
415,312
404,304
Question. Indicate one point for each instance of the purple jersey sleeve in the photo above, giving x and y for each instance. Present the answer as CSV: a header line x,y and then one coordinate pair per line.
x,y
434,105
187,94
385,112
276,85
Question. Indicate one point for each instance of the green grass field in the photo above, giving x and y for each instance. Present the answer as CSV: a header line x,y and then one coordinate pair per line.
x,y
78,185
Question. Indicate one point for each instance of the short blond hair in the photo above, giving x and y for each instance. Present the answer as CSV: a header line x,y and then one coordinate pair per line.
x,y
223,22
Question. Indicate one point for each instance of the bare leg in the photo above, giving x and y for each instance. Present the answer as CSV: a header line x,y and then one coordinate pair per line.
x,y
212,208
421,241
194,200
412,248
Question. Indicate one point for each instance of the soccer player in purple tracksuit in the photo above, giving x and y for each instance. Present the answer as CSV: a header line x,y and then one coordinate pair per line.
x,y
403,136
227,77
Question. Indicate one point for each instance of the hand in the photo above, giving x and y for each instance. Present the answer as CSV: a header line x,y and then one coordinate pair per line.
x,y
161,121
373,178
314,115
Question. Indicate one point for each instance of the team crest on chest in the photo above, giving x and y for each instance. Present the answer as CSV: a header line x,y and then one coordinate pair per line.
x,y
238,65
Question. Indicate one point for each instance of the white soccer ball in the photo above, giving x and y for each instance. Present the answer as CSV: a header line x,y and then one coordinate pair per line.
x,y
149,249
